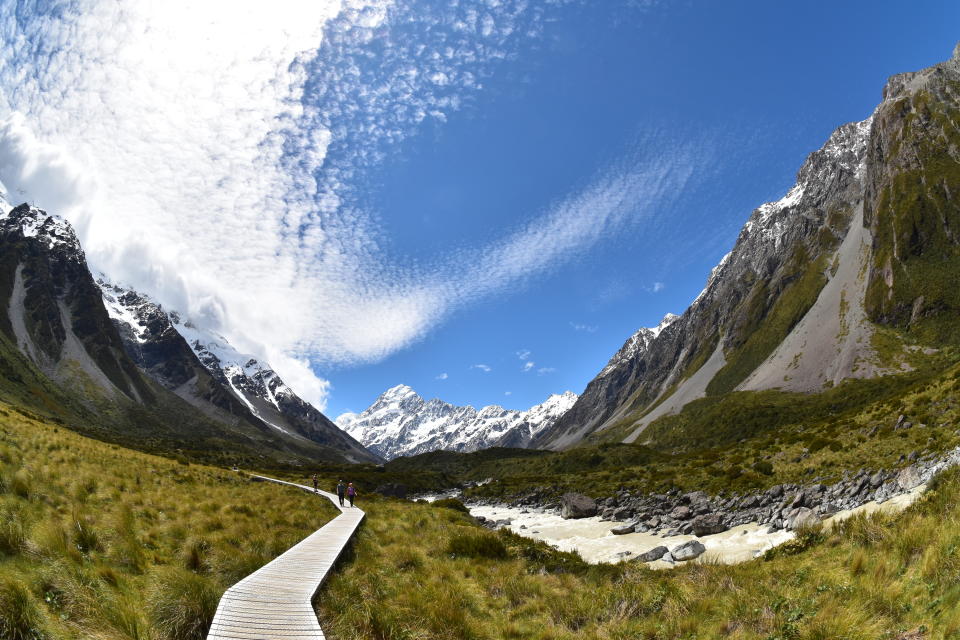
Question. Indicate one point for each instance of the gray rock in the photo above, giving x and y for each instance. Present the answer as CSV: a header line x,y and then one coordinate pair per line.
x,y
577,505
653,554
708,524
622,513
681,513
804,518
908,478
623,529
688,551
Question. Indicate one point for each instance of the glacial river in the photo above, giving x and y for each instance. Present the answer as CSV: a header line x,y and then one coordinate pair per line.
x,y
591,537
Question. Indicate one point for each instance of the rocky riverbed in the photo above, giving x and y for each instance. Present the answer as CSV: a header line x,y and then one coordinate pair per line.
x,y
729,528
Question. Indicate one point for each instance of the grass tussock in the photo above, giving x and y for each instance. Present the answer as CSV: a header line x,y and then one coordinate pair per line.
x,y
98,541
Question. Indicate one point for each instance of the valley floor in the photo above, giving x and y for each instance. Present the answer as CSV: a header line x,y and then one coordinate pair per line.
x,y
592,539
97,541
426,571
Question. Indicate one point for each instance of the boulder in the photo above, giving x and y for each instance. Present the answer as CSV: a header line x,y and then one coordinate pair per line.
x,y
623,529
680,513
622,513
688,551
577,505
708,524
653,554
908,478
804,518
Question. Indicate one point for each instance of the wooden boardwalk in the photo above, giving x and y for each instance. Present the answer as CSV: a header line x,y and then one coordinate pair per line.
x,y
275,601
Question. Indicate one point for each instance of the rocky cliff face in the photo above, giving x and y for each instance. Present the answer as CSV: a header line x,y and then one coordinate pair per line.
x,y
911,200
869,232
53,313
401,423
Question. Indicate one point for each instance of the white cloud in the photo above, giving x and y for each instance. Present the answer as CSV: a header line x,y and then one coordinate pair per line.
x,y
527,366
482,367
524,354
658,287
442,376
589,328
545,370
508,393
208,154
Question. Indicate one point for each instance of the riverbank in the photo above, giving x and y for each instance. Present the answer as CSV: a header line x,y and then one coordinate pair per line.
x,y
731,528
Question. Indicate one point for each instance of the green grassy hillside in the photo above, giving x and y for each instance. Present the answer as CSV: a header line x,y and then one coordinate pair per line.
x,y
98,541
426,572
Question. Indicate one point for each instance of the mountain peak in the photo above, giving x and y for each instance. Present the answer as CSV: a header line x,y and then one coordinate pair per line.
x,y
397,392
33,222
400,423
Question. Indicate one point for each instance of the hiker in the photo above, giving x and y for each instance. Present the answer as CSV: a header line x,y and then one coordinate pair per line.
x,y
315,481
340,490
351,492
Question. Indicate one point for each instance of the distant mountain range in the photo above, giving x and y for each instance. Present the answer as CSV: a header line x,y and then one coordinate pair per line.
x,y
401,423
110,361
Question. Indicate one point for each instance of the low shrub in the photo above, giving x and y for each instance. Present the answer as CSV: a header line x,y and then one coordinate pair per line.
x,y
764,467
451,503
477,545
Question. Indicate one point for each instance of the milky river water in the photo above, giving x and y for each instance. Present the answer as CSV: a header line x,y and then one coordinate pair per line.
x,y
591,537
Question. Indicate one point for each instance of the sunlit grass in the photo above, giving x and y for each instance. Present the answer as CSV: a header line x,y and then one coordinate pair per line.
x,y
419,571
98,541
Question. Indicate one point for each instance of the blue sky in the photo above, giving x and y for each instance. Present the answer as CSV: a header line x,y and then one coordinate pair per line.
x,y
750,87
378,192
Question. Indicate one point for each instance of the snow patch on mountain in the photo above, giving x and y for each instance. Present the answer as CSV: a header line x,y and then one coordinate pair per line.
x,y
242,373
401,423
53,230
637,343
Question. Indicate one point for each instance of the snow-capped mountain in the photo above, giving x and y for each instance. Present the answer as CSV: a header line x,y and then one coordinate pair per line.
x,y
177,353
794,305
401,423
636,343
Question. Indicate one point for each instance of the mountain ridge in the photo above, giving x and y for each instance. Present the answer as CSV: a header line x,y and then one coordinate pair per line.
x,y
62,354
796,303
401,423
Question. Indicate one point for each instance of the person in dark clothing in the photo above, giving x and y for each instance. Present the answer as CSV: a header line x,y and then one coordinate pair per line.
x,y
351,492
315,483
341,488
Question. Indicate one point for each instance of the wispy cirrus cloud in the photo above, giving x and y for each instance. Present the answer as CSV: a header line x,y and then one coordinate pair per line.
x,y
442,376
482,367
589,328
213,162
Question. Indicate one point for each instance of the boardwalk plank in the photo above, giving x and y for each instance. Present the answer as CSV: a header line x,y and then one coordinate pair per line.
x,y
275,602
